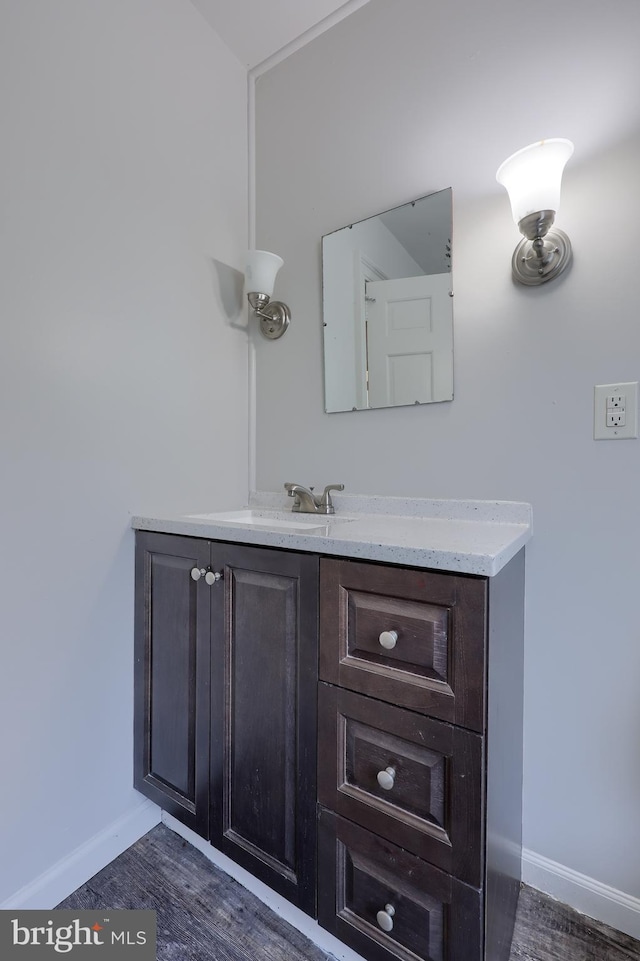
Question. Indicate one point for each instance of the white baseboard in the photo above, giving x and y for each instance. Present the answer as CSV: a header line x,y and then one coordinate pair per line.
x,y
584,894
297,918
75,869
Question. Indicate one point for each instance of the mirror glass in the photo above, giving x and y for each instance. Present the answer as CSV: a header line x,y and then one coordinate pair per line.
x,y
387,308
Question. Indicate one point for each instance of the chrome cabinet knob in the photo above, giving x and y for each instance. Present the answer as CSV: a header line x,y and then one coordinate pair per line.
x,y
387,778
388,639
211,577
385,918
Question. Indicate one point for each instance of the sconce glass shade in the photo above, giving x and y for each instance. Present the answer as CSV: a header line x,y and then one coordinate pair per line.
x,y
260,272
259,280
532,176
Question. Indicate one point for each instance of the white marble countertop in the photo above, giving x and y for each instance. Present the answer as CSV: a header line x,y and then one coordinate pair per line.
x,y
471,537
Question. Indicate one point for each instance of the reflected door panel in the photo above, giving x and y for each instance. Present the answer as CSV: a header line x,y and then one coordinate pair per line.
x,y
409,341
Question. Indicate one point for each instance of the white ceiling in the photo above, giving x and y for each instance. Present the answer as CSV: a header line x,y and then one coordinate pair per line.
x,y
256,29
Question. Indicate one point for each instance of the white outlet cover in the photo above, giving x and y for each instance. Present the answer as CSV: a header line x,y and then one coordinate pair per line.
x,y
601,394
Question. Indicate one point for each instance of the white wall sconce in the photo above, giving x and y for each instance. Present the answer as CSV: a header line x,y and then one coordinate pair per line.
x,y
532,178
259,278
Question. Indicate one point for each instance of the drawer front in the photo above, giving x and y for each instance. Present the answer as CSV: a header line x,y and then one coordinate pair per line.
x,y
430,799
366,882
413,638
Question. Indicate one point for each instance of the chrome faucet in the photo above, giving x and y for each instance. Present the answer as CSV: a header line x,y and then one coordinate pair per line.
x,y
307,502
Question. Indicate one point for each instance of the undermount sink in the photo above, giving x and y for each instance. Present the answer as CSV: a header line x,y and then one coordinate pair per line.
x,y
273,519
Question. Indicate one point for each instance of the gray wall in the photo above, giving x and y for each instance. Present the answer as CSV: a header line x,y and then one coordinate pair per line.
x,y
405,97
123,176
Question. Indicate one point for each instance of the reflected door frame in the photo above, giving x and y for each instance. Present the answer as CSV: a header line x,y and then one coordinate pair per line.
x,y
366,271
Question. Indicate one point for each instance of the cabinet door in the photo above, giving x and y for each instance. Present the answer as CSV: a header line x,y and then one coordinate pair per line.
x,y
172,677
264,673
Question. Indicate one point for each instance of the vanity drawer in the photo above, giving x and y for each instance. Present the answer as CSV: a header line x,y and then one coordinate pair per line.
x,y
432,804
434,917
436,665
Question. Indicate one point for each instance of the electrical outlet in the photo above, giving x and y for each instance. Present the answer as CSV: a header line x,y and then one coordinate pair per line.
x,y
615,411
617,418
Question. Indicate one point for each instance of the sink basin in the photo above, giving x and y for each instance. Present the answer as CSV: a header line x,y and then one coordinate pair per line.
x,y
278,520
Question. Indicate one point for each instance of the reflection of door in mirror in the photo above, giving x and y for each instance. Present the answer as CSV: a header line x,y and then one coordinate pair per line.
x,y
409,338
395,348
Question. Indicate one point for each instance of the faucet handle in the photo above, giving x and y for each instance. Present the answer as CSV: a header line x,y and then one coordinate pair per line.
x,y
326,502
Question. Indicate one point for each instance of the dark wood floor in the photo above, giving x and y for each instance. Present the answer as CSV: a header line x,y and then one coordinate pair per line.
x,y
203,915
549,931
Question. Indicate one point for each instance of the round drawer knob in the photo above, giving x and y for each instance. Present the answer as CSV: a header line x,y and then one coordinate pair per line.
x,y
388,639
385,918
211,577
197,573
387,778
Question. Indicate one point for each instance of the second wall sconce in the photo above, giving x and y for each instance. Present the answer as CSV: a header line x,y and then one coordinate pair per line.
x,y
532,178
260,277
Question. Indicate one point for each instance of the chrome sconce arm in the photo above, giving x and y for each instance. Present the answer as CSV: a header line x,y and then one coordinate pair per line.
x,y
274,316
532,178
260,275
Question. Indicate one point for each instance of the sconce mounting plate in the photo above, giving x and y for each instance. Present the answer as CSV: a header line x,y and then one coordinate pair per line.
x,y
535,262
274,320
273,315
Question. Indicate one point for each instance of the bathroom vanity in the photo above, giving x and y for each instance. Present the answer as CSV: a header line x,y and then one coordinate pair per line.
x,y
336,704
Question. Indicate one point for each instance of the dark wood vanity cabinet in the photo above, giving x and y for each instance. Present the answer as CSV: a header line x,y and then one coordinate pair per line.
x,y
420,760
225,700
409,711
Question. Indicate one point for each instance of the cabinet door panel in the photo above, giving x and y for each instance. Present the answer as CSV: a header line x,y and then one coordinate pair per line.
x,y
261,715
264,755
171,677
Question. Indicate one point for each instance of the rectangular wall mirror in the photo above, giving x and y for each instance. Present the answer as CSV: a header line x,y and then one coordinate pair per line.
x,y
388,309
